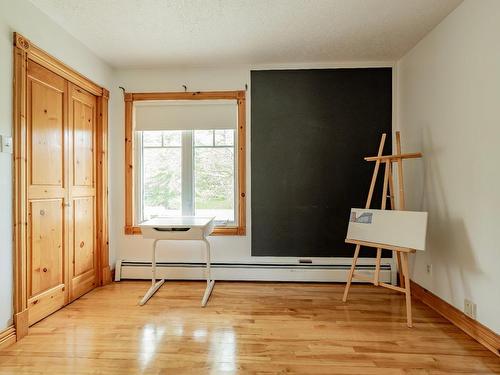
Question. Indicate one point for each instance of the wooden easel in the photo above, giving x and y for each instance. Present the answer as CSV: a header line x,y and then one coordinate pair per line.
x,y
401,253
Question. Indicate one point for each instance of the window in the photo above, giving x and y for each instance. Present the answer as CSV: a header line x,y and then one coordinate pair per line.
x,y
197,169
189,173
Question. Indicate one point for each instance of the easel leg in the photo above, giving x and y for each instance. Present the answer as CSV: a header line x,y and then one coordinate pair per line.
x,y
154,285
400,270
351,272
391,188
400,173
377,267
382,205
210,282
406,274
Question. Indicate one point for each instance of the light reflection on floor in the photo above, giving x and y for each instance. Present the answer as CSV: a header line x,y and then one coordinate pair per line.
x,y
223,349
222,343
151,336
200,335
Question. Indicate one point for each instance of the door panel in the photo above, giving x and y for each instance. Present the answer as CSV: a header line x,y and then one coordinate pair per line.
x,y
46,240
46,303
83,253
83,243
47,192
83,144
47,135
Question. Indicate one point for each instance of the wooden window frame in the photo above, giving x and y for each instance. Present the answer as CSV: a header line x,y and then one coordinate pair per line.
x,y
240,98
25,50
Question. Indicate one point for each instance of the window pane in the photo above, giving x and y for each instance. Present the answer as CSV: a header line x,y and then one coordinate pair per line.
x,y
172,138
203,137
214,182
151,138
162,182
224,137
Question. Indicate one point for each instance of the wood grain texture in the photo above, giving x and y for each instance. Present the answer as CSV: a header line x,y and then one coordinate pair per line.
x,y
41,155
472,327
47,251
248,328
129,165
21,323
102,189
36,54
7,337
47,189
83,249
241,229
20,186
192,95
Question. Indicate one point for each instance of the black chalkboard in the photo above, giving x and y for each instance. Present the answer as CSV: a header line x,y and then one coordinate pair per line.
x,y
310,130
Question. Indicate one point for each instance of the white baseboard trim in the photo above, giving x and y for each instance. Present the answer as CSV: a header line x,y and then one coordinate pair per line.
x,y
246,272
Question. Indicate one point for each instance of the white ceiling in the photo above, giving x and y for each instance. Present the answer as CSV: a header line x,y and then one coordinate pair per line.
x,y
147,33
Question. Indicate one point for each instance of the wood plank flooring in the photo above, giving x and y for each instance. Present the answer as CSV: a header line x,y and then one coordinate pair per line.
x,y
247,328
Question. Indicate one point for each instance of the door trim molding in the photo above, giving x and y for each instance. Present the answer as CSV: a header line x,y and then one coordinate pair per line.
x,y
25,50
56,66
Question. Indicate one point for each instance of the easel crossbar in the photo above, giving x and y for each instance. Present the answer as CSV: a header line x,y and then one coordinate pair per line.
x,y
393,287
380,245
395,157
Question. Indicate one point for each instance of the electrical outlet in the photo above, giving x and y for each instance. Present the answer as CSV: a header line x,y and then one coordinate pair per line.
x,y
470,309
428,269
6,144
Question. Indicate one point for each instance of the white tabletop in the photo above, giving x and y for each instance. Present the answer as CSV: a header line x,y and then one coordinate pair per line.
x,y
177,222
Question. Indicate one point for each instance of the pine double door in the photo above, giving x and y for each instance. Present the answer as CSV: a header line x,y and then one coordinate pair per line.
x,y
61,241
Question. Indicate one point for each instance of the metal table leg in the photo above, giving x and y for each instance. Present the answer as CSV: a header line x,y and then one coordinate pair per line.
x,y
210,282
154,284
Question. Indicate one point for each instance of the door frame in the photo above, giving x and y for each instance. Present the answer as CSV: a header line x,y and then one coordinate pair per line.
x,y
24,50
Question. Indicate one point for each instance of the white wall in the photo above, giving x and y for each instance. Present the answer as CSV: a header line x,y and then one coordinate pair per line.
x,y
235,249
449,107
22,16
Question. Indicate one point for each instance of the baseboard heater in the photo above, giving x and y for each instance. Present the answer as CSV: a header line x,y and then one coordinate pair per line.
x,y
248,271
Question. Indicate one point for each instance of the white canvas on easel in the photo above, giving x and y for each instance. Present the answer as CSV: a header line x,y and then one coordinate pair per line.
x,y
396,228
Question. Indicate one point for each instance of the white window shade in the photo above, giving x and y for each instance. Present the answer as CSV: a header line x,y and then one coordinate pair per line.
x,y
185,114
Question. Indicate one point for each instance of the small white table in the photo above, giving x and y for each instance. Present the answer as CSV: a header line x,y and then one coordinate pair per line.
x,y
188,228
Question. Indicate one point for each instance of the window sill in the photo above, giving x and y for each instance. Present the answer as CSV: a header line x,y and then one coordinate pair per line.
x,y
218,231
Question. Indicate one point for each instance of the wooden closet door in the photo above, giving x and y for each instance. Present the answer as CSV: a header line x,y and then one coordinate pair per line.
x,y
47,192
82,190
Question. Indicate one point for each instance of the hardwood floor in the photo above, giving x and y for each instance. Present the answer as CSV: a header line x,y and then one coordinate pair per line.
x,y
246,328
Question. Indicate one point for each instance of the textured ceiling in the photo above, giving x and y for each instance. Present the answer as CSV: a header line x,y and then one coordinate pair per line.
x,y
220,32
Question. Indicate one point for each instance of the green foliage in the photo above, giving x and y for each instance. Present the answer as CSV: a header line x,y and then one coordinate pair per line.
x,y
213,174
214,183
162,184
159,190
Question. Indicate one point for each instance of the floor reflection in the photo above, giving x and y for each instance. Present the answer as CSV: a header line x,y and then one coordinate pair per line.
x,y
200,335
151,337
223,350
